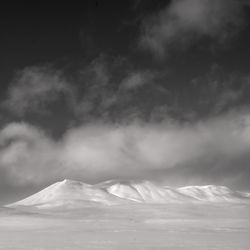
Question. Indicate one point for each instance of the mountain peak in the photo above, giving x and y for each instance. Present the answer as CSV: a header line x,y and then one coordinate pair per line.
x,y
66,180
72,182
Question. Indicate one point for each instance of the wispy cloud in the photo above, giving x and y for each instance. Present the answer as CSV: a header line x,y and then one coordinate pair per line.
x,y
217,92
136,80
111,91
183,22
34,87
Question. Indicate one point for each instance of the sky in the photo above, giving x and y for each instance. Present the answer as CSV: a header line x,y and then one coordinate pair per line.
x,y
156,90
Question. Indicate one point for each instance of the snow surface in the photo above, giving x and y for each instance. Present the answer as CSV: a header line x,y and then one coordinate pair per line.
x,y
173,226
73,194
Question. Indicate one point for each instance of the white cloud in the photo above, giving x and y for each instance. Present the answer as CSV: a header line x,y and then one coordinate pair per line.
x,y
27,155
103,151
184,21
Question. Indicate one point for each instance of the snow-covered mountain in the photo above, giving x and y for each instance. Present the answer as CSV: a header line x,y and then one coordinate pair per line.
x,y
73,194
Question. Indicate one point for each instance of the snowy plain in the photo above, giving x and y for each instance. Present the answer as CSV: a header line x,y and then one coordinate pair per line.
x,y
134,225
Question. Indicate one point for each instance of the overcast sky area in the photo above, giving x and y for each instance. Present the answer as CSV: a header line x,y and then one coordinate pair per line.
x,y
156,90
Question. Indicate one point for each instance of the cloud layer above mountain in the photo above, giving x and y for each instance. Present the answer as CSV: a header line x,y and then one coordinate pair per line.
x,y
216,149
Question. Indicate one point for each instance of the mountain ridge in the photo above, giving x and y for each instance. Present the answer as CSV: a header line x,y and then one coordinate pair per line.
x,y
71,193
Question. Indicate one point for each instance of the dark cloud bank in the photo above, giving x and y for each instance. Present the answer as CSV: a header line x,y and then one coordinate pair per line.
x,y
126,122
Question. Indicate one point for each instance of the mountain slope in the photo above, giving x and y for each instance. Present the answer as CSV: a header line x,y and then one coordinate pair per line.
x,y
146,192
68,193
72,194
214,193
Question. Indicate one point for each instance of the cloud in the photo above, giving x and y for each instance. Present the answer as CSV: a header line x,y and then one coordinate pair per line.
x,y
217,93
108,89
35,87
210,151
112,90
26,153
101,90
183,22
136,79
96,93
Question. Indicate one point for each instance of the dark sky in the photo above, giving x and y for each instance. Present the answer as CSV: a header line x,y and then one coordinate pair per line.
x,y
38,34
124,89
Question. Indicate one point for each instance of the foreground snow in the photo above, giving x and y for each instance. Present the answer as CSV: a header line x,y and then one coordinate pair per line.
x,y
185,226
74,194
